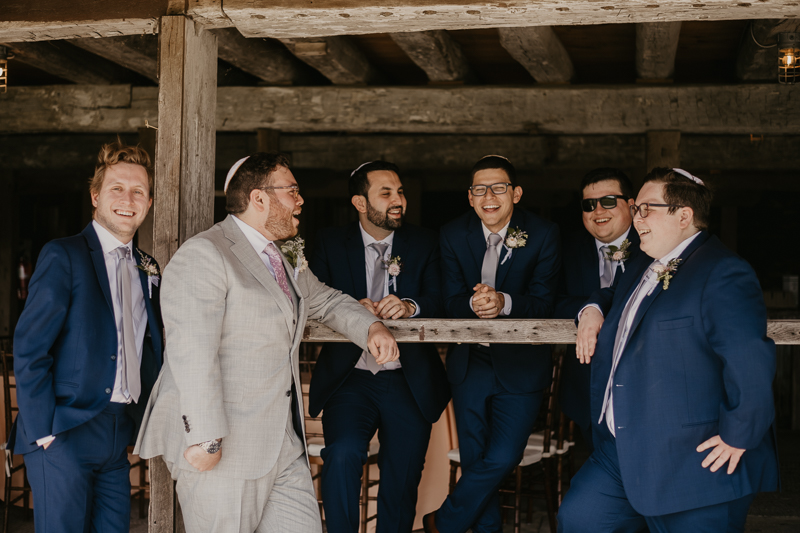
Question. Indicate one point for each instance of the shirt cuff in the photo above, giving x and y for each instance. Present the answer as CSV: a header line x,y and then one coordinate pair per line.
x,y
45,440
507,307
585,307
416,306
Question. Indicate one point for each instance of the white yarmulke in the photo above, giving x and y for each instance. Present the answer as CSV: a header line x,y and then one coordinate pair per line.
x,y
688,175
360,167
232,171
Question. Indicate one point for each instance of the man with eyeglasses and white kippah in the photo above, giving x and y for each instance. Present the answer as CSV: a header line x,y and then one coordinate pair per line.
x,y
593,259
498,261
681,389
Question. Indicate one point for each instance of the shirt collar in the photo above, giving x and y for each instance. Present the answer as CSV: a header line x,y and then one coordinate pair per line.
x,y
256,239
617,242
502,232
369,239
108,242
678,250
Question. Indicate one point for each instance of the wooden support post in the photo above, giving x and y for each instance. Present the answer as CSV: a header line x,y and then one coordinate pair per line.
x,y
663,149
147,140
184,193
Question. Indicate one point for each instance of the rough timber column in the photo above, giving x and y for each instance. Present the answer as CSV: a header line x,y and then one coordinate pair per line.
x,y
184,179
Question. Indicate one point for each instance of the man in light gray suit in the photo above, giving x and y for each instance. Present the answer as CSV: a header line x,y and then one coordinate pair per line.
x,y
226,413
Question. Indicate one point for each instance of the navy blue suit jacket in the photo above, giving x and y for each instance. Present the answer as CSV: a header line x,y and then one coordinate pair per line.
x,y
529,276
580,277
338,261
698,363
65,343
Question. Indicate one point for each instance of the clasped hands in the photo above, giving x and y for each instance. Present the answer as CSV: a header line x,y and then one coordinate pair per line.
x,y
487,302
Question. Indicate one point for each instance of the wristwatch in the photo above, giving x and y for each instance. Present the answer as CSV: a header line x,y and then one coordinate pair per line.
x,y
413,306
211,446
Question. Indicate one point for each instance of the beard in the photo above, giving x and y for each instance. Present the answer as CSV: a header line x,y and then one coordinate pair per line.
x,y
280,222
382,220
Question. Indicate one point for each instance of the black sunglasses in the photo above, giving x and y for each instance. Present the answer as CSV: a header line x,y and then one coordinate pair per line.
x,y
606,202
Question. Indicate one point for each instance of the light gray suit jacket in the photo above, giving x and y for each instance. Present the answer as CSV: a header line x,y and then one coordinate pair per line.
x,y
232,340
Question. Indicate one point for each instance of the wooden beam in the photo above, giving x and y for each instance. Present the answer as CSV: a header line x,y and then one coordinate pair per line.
x,y
291,19
656,45
29,31
268,60
663,149
437,53
504,331
69,62
539,50
208,13
138,53
716,110
145,234
754,62
336,58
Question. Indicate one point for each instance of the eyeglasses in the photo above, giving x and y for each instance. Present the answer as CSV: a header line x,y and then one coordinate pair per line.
x,y
644,209
497,188
606,202
294,190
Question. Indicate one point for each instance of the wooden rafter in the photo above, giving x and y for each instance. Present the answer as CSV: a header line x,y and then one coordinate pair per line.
x,y
268,60
539,50
336,58
437,53
135,52
656,45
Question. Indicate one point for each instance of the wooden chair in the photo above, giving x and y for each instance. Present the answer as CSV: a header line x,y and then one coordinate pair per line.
x,y
139,492
315,443
10,410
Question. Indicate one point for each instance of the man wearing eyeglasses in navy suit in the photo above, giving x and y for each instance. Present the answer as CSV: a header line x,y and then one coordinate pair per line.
x,y
498,262
590,264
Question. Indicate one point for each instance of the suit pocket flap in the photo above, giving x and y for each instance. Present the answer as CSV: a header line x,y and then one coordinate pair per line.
x,y
677,323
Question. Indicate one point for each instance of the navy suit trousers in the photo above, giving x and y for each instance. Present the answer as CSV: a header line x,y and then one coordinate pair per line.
x,y
596,502
81,482
493,429
364,404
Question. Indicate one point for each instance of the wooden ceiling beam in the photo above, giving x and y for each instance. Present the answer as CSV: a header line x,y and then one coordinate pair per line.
x,y
138,53
656,46
265,59
754,62
290,19
728,109
437,53
336,58
539,50
70,63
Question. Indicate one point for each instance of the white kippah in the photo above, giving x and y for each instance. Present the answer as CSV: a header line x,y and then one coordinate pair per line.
x,y
689,175
494,155
232,171
360,166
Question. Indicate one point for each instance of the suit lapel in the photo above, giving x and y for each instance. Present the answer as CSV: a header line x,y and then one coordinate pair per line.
x,y
96,252
476,242
355,256
507,258
591,259
244,251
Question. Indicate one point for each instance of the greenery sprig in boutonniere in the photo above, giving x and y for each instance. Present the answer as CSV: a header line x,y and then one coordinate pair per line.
x,y
619,254
665,272
294,252
515,238
147,265
394,265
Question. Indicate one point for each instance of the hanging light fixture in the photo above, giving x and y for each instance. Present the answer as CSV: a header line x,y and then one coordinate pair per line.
x,y
788,54
3,68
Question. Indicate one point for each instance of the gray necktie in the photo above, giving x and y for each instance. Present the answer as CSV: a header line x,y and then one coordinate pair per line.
x,y
130,360
490,258
608,269
376,291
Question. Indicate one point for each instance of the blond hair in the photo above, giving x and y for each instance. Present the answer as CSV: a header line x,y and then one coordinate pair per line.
x,y
117,152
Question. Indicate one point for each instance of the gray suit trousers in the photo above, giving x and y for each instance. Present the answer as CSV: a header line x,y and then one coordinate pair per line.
x,y
283,501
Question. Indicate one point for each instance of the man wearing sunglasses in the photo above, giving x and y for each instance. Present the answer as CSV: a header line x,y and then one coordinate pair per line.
x,y
490,270
589,265
682,370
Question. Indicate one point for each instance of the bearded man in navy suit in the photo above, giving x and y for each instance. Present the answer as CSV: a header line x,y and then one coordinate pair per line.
x,y
87,351
498,262
593,259
392,268
682,370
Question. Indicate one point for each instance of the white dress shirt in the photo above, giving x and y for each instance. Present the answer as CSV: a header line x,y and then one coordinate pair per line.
x,y
614,264
506,310
257,241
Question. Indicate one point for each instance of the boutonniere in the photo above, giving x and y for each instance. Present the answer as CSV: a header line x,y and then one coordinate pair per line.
x,y
665,272
394,265
147,265
293,250
619,254
515,238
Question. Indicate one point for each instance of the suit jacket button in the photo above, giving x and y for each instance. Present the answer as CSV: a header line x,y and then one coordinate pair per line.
x,y
113,357
108,391
288,393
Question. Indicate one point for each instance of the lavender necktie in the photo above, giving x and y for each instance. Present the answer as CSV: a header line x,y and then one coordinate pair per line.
x,y
130,359
280,272
490,258
608,268
376,292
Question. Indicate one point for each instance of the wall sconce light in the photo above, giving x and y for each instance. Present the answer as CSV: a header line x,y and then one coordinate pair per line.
x,y
788,54
3,68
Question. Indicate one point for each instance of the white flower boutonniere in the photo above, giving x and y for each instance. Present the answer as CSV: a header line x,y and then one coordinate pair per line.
x,y
619,254
394,265
515,238
293,250
151,269
665,272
